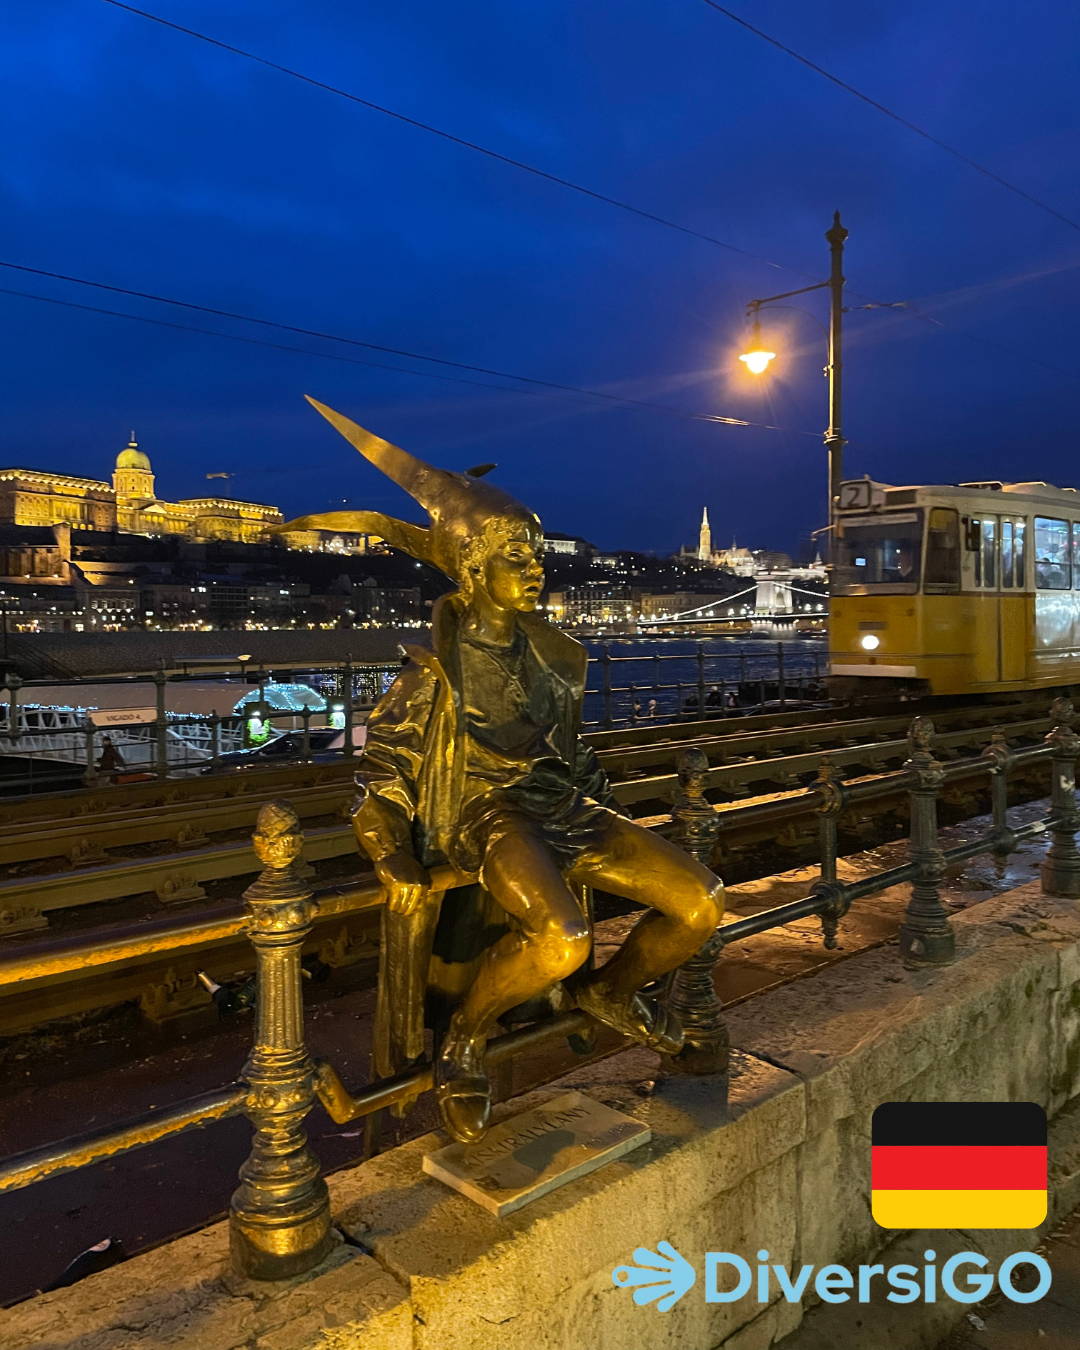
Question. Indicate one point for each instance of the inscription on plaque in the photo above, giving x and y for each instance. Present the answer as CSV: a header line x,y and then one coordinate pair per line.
x,y
537,1151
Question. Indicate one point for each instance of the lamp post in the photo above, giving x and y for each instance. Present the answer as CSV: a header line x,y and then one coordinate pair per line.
x,y
758,356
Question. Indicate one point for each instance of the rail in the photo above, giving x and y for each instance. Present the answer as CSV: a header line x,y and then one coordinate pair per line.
x,y
52,745
280,1214
91,877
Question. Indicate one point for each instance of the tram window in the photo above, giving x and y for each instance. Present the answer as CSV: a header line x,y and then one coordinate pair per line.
x,y
942,548
1076,552
1012,554
1052,569
989,540
1019,553
880,551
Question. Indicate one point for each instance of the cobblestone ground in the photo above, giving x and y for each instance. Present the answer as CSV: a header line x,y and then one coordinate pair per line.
x,y
1051,1324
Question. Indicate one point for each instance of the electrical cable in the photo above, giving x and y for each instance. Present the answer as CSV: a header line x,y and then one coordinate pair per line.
x,y
282,347
849,88
330,356
612,201
456,140
917,313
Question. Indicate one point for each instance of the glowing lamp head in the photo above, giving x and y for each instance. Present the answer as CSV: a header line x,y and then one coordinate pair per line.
x,y
757,355
870,643
756,361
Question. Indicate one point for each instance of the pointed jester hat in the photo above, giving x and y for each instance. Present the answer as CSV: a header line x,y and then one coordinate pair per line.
x,y
464,513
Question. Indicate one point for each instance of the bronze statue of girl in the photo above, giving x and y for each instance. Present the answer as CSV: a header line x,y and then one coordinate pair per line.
x,y
474,758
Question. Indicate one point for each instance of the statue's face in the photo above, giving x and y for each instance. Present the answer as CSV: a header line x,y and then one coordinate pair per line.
x,y
513,572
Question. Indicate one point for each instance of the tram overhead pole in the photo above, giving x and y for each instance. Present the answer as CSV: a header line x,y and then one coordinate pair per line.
x,y
758,355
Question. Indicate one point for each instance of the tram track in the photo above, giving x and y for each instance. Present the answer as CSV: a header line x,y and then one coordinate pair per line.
x,y
769,814
168,841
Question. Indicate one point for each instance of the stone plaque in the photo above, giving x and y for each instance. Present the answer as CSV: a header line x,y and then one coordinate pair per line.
x,y
537,1151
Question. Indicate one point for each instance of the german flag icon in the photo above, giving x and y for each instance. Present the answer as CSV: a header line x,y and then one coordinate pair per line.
x,y
959,1165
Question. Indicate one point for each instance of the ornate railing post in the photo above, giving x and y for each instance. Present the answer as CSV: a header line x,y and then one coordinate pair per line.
x,y
926,936
693,996
280,1216
1061,870
1000,759
832,798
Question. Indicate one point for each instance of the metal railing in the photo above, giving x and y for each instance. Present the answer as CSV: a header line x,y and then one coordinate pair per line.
x,y
171,744
280,1215
719,684
716,683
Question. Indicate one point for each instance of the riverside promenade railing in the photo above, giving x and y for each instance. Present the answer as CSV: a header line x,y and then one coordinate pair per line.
x,y
280,1213
41,740
714,683
160,743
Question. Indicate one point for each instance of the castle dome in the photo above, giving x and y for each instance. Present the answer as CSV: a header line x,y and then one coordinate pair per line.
x,y
132,458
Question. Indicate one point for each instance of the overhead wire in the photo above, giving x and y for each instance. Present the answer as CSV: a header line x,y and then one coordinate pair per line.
x,y
563,182
969,292
911,308
456,140
546,385
613,201
873,103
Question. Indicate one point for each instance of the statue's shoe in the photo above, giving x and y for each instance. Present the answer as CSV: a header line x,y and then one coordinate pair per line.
x,y
643,1019
463,1093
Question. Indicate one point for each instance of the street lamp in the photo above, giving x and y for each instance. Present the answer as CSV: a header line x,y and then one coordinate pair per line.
x,y
757,356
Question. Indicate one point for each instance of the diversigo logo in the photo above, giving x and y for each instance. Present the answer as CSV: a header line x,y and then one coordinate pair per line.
x,y
991,1173
664,1276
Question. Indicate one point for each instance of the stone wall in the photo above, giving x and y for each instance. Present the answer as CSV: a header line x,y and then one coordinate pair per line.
x,y
783,1165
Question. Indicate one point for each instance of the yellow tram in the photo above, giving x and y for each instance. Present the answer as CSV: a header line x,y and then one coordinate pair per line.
x,y
954,590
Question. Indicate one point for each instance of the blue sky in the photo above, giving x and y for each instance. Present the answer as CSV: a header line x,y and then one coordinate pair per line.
x,y
143,158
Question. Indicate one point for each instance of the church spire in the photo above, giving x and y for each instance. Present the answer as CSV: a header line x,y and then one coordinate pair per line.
x,y
705,538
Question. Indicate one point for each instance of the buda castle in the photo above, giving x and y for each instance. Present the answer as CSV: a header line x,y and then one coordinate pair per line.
x,y
33,497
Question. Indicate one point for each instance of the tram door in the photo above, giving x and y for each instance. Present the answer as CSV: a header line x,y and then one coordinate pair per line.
x,y
999,546
987,631
1012,606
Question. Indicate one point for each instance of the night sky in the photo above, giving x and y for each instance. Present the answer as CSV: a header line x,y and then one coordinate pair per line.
x,y
141,157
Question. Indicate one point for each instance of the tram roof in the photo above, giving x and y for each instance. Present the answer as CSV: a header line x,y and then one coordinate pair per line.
x,y
896,495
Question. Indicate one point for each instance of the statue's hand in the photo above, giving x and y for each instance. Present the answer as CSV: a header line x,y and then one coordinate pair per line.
x,y
406,882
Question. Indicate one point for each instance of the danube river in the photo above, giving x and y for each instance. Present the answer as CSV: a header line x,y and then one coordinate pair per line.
x,y
652,679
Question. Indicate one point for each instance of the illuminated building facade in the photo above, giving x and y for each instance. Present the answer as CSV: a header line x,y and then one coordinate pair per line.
x,y
130,505
741,562
594,603
30,497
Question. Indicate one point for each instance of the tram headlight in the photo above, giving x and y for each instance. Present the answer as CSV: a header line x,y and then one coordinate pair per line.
x,y
870,643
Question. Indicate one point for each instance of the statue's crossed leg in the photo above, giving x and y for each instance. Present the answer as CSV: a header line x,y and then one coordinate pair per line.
x,y
552,939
